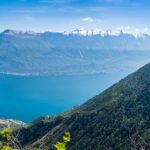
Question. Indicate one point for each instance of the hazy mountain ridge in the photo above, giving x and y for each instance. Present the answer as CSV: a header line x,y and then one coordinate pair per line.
x,y
118,118
30,53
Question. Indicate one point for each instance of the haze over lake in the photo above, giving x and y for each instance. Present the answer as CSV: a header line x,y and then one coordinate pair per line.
x,y
28,97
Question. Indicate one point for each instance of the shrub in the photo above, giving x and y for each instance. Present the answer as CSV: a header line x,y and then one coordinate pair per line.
x,y
62,145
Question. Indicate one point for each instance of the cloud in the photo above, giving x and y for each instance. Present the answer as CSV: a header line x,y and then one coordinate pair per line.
x,y
88,19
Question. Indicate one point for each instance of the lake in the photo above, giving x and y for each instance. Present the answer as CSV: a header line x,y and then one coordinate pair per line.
x,y
28,97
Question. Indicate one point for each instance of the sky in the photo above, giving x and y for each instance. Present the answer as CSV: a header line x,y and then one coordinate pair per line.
x,y
67,15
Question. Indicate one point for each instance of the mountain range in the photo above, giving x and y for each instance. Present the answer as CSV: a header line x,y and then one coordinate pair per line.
x,y
76,52
116,119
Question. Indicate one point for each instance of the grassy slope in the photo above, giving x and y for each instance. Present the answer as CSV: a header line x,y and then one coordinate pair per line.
x,y
117,119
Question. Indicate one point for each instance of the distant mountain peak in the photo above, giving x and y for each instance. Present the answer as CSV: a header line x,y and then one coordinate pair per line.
x,y
108,32
76,52
18,32
79,32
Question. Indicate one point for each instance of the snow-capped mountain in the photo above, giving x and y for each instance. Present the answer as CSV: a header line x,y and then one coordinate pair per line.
x,y
75,52
108,32
18,32
81,32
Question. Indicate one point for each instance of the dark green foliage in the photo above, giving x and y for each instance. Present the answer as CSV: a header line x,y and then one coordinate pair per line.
x,y
117,119
38,129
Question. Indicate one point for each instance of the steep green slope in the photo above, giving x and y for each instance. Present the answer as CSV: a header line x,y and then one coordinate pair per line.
x,y
117,119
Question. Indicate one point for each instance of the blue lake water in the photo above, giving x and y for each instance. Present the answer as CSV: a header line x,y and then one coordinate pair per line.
x,y
28,97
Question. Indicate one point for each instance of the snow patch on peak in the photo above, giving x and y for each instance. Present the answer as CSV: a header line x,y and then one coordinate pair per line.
x,y
18,32
80,32
92,32
109,32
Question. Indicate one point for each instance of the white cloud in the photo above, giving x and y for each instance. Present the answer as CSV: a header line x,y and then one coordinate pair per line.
x,y
88,19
